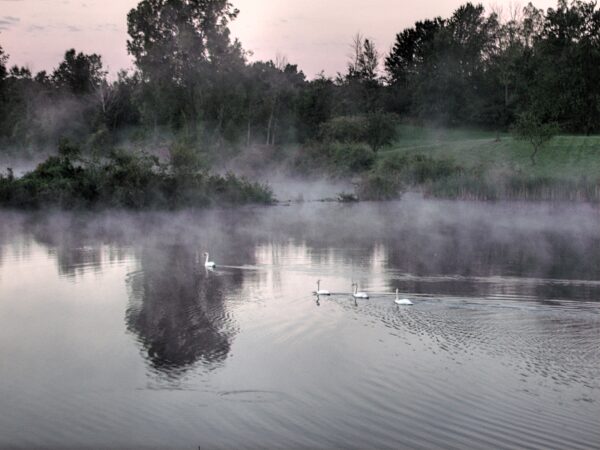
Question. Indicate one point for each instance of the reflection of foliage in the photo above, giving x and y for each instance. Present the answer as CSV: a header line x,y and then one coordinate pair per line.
x,y
176,312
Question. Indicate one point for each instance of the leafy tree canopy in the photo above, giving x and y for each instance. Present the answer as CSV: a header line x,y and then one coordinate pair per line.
x,y
3,61
174,38
79,73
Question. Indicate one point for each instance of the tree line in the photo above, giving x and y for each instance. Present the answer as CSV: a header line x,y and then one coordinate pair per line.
x,y
194,81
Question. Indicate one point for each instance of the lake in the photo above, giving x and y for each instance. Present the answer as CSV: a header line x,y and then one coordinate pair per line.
x,y
113,334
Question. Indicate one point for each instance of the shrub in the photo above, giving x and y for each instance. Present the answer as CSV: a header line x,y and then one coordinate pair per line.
x,y
376,129
68,149
352,157
347,197
379,186
125,181
393,161
347,129
100,140
381,129
185,158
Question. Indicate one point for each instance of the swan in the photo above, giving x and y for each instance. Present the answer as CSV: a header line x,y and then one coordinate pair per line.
x,y
357,294
321,291
402,301
208,263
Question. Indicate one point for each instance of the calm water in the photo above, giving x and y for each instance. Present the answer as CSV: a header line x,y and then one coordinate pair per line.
x,y
112,334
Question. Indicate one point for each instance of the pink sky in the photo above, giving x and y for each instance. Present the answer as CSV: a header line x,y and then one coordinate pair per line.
x,y
315,34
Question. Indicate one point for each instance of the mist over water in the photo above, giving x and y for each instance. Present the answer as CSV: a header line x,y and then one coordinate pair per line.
x,y
112,332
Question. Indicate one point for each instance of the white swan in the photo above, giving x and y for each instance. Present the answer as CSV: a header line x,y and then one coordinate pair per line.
x,y
321,291
208,263
357,294
402,301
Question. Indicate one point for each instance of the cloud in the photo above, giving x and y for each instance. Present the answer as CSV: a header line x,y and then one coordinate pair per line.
x,y
59,27
34,28
8,22
107,27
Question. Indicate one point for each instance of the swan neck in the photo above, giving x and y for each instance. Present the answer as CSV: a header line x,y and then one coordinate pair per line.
x,y
206,257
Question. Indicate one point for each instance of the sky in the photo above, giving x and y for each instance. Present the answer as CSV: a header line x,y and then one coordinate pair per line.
x,y
315,34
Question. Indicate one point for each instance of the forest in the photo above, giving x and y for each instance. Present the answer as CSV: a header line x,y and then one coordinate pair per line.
x,y
196,102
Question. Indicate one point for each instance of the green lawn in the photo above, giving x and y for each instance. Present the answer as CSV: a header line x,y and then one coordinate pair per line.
x,y
566,157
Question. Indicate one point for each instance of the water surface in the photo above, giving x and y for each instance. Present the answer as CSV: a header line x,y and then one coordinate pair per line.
x,y
113,334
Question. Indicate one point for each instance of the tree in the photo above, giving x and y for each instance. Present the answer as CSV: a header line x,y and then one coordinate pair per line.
x,y
411,48
439,69
566,86
79,73
364,62
406,62
283,80
20,73
271,91
3,61
180,34
530,128
181,48
361,82
3,74
315,107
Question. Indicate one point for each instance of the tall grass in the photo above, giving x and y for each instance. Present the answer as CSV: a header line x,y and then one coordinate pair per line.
x,y
515,187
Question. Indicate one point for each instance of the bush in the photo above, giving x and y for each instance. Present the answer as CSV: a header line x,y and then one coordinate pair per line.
x,y
393,161
126,180
381,129
379,186
347,197
100,140
352,157
347,129
68,149
185,158
424,168
376,129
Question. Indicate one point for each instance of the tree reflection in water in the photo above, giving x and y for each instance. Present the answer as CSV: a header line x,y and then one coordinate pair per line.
x,y
177,311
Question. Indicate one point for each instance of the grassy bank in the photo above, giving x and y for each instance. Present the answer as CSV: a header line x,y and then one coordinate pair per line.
x,y
475,164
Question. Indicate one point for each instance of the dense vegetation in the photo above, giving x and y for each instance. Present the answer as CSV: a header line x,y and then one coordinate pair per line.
x,y
194,91
123,180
